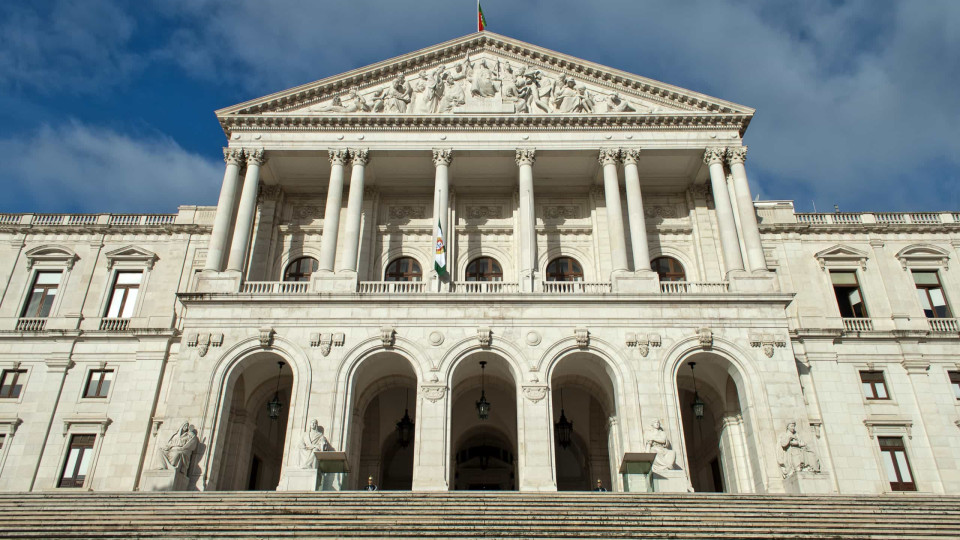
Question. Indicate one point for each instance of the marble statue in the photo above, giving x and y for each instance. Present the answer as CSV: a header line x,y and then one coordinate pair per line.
x,y
793,454
313,441
658,442
483,81
616,104
453,95
178,450
426,90
397,96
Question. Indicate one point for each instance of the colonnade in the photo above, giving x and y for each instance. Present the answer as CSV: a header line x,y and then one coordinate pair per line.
x,y
740,203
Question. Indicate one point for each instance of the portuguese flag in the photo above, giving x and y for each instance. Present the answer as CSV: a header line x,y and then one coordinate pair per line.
x,y
440,260
481,22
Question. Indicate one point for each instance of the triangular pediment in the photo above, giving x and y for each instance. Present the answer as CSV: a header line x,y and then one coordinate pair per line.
x,y
482,74
840,255
131,254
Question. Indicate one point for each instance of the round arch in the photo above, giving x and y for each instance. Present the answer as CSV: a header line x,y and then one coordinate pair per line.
x,y
690,267
502,257
292,254
404,251
586,262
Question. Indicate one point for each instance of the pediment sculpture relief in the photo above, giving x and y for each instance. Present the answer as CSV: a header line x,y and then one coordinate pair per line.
x,y
485,84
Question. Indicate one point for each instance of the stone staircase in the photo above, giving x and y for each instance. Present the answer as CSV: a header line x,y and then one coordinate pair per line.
x,y
473,515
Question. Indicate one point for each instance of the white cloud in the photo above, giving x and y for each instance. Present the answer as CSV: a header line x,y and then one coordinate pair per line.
x,y
92,169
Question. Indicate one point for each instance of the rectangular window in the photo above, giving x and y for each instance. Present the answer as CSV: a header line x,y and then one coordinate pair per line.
x,y
932,299
896,464
123,297
42,294
874,386
11,383
98,383
847,290
78,461
955,383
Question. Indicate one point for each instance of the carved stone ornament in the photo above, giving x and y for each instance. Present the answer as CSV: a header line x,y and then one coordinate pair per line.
x,y
533,338
535,393
204,340
233,156
203,344
767,342
254,156
268,193
338,156
442,156
435,338
484,212
793,453
433,393
714,155
407,212
630,156
582,336
561,212
705,336
609,156
266,336
307,213
387,334
643,342
360,156
484,335
665,212
736,154
326,341
526,156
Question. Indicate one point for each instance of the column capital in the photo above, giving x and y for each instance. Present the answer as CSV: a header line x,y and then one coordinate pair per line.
x,y
255,156
526,156
609,156
338,156
442,156
360,156
736,154
714,154
631,155
233,156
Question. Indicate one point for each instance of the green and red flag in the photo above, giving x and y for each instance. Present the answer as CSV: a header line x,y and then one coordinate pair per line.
x,y
481,21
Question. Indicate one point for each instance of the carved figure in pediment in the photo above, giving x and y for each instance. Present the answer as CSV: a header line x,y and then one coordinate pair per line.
x,y
534,92
453,95
616,104
573,98
426,90
353,103
178,450
313,441
483,81
397,96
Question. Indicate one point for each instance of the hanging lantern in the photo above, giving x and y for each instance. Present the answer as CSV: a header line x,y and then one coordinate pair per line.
x,y
274,406
405,429
563,427
697,404
483,406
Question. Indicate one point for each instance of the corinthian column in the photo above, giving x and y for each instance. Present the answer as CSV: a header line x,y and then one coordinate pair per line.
x,y
351,244
748,216
638,227
224,216
732,259
528,225
442,157
331,212
248,206
611,194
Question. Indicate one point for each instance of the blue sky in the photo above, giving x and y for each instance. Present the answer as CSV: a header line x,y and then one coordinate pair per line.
x,y
107,106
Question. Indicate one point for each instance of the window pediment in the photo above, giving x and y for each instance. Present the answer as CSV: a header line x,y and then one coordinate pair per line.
x,y
923,256
133,255
52,255
841,256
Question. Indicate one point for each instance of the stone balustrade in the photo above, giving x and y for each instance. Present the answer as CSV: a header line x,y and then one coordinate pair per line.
x,y
577,287
485,287
31,324
187,215
857,324
944,325
275,287
782,212
114,324
392,287
694,287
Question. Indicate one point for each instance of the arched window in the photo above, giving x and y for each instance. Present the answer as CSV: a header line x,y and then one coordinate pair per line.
x,y
403,269
484,269
301,269
564,269
669,269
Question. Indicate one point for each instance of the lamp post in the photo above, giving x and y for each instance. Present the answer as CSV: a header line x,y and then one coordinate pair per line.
x,y
697,404
483,406
274,406
563,427
405,426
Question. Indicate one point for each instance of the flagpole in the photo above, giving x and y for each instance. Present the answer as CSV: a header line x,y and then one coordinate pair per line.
x,y
477,16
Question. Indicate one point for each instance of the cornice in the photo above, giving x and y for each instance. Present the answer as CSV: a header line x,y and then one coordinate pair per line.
x,y
859,227
103,229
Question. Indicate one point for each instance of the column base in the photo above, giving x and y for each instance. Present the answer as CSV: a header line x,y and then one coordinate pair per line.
x,y
300,480
670,481
164,480
757,282
808,482
227,281
641,282
344,281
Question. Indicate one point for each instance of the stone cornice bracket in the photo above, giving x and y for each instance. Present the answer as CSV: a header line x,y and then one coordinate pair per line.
x,y
714,154
442,156
535,393
255,156
266,336
630,156
360,156
582,335
387,334
643,342
736,154
767,342
204,341
233,156
484,336
705,336
432,392
609,156
338,156
526,156
327,341
58,364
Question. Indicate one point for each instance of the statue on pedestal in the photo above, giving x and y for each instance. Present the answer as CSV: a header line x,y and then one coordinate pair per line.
x,y
793,454
313,441
658,442
178,450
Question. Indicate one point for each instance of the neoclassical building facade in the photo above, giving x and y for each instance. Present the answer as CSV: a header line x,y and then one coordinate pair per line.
x,y
612,296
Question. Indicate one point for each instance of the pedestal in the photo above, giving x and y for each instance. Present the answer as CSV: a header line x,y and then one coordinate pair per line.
x,y
758,282
642,282
635,470
341,282
808,482
300,480
218,282
670,481
164,480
